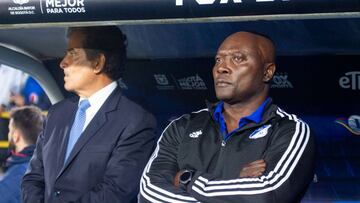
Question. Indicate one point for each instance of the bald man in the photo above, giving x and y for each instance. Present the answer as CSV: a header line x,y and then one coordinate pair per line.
x,y
243,148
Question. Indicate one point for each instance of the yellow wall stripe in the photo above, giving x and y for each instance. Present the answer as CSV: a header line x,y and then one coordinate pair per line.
x,y
4,144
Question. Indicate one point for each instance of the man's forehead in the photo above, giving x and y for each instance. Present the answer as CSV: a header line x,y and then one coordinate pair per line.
x,y
75,40
237,47
241,42
231,51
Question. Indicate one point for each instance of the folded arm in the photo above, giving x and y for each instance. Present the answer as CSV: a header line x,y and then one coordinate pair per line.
x,y
157,180
289,169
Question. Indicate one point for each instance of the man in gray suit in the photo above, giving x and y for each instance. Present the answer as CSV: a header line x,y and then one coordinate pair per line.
x,y
94,146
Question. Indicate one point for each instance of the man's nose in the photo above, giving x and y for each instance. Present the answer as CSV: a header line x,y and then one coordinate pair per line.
x,y
223,67
64,63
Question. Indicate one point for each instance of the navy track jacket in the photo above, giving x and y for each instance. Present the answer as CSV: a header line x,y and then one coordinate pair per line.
x,y
194,142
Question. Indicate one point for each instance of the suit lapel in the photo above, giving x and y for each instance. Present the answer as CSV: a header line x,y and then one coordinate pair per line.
x,y
68,120
94,126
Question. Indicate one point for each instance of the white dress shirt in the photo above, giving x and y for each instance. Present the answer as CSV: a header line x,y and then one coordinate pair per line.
x,y
97,100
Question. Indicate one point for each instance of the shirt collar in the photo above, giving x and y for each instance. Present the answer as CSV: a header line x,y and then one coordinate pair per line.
x,y
20,157
256,116
99,97
218,111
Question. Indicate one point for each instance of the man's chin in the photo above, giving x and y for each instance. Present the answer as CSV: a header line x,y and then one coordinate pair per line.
x,y
12,146
68,87
223,95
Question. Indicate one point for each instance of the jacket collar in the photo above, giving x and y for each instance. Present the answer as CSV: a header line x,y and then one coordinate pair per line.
x,y
20,157
268,113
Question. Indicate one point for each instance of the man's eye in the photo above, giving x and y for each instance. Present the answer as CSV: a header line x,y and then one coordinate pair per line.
x,y
238,58
72,53
217,60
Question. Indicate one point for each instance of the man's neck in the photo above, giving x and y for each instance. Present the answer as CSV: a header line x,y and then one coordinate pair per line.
x,y
98,85
234,112
20,146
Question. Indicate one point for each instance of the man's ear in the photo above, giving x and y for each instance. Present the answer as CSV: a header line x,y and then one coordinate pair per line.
x,y
269,71
99,63
16,135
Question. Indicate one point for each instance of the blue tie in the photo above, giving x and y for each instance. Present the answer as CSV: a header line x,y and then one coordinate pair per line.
x,y
77,126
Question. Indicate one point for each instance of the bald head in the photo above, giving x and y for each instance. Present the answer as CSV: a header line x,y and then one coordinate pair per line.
x,y
244,67
261,43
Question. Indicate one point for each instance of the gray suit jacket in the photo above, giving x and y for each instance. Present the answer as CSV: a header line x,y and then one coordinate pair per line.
x,y
105,164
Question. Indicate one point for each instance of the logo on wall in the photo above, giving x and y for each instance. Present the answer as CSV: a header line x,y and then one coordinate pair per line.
x,y
122,84
21,2
163,82
161,79
192,83
352,124
63,6
21,10
351,80
33,98
280,80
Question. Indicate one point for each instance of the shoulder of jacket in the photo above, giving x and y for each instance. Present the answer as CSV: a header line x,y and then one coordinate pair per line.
x,y
287,119
17,169
134,112
195,115
64,102
60,106
185,119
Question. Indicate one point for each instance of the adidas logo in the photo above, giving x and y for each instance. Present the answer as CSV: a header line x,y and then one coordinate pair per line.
x,y
195,134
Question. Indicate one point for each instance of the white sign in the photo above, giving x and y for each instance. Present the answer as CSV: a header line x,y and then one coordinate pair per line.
x,y
64,6
22,9
21,2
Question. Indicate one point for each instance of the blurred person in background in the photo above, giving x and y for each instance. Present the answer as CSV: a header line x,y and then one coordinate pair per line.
x,y
24,127
31,94
12,82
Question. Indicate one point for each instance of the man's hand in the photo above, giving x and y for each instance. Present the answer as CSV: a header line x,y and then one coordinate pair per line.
x,y
253,169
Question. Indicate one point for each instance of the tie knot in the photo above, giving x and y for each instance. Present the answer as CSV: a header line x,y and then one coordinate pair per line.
x,y
84,104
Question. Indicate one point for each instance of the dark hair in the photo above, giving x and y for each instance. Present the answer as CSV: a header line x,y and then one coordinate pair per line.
x,y
107,40
29,120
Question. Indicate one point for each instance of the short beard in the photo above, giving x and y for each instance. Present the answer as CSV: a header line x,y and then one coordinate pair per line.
x,y
12,146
